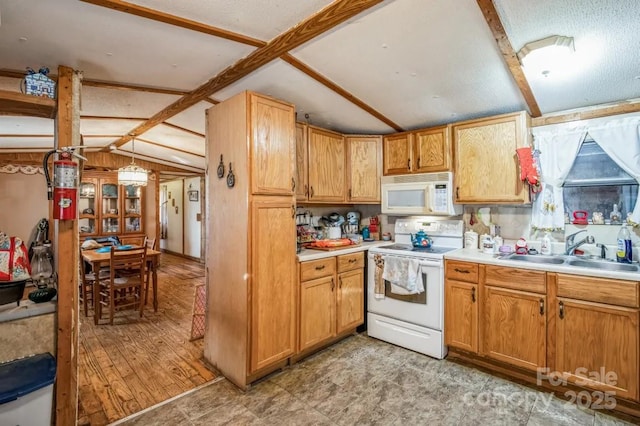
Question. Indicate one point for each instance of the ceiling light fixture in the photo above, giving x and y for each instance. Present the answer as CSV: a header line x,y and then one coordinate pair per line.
x,y
548,55
132,174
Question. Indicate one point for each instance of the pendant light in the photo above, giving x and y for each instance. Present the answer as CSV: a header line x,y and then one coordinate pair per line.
x,y
132,174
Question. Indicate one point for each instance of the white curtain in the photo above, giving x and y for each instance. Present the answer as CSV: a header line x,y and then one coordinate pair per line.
x,y
620,139
558,149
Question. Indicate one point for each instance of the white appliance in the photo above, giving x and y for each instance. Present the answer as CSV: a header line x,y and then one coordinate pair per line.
x,y
416,321
419,194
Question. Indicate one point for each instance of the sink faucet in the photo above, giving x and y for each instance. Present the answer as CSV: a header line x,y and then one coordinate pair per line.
x,y
569,245
603,250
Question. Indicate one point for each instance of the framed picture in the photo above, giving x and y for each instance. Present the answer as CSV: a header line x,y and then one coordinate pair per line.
x,y
193,195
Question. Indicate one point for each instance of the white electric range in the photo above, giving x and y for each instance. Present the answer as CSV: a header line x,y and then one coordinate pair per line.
x,y
414,321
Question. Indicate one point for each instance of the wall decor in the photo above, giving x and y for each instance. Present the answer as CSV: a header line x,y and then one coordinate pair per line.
x,y
193,195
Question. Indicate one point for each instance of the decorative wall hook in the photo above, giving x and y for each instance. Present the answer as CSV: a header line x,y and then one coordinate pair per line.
x,y
231,178
220,168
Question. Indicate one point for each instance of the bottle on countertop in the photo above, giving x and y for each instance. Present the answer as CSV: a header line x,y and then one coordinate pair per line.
x,y
545,245
624,253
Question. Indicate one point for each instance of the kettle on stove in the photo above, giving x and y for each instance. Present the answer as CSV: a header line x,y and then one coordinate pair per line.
x,y
421,239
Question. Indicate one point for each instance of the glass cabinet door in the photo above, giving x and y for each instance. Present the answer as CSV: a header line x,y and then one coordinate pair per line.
x,y
87,208
132,209
110,213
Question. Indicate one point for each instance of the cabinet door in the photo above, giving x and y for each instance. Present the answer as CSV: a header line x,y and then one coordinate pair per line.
x,y
486,167
273,280
133,209
302,163
432,150
396,154
273,146
461,315
110,223
597,346
514,327
88,207
326,165
364,168
350,300
317,311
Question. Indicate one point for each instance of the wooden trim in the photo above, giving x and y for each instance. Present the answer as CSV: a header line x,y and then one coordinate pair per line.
x,y
511,59
165,146
103,117
15,103
157,15
595,111
66,238
329,17
193,132
340,91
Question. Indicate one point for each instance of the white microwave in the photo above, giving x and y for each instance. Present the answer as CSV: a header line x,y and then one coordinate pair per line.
x,y
419,194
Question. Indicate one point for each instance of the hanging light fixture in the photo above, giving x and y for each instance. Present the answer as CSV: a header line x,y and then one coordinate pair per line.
x,y
132,174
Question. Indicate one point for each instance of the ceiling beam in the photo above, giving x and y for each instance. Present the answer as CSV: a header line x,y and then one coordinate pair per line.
x,y
159,145
318,23
193,132
497,29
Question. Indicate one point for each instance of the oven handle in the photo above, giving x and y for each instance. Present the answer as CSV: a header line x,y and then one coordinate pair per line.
x,y
437,263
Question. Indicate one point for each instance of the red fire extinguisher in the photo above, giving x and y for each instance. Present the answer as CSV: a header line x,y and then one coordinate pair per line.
x,y
64,189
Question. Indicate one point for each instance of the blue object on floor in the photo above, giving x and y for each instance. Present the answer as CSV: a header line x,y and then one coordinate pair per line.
x,y
23,376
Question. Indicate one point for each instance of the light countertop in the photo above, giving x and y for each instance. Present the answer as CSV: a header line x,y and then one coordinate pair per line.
x,y
310,254
477,256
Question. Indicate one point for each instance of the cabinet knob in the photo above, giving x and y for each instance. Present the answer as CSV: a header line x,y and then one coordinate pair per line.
x,y
306,190
561,305
319,268
473,295
541,306
332,284
311,192
409,164
418,165
293,185
340,282
293,211
461,271
457,192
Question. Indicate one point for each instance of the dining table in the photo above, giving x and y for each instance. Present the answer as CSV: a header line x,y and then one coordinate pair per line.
x,y
97,259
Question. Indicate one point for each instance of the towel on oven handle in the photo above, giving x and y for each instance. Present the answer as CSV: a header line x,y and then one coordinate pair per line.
x,y
403,273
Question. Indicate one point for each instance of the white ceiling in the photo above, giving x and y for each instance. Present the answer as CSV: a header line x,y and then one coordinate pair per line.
x,y
417,63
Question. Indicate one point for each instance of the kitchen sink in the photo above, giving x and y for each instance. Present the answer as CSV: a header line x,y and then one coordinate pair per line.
x,y
599,264
536,259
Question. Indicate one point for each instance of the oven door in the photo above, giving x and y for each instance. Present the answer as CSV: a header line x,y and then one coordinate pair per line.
x,y
406,198
423,309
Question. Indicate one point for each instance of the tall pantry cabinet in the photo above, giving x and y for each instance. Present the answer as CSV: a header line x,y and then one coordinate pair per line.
x,y
251,241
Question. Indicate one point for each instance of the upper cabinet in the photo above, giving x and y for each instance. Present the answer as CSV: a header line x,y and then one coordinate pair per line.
x,y
336,168
420,151
273,145
302,163
326,165
364,167
486,166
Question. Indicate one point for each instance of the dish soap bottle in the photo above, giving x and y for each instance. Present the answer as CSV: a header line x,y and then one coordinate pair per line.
x,y
545,246
624,252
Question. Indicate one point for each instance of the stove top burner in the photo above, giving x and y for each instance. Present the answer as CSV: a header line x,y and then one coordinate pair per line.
x,y
408,247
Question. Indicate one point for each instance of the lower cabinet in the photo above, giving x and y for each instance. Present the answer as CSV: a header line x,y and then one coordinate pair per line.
x,y
597,343
514,316
461,315
331,298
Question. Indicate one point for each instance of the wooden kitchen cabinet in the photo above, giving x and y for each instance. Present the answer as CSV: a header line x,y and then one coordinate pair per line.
x,y
420,151
514,323
364,168
108,209
302,163
594,336
461,305
273,150
326,165
486,166
331,298
252,285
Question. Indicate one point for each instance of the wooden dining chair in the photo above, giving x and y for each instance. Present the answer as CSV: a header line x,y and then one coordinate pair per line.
x,y
126,282
150,243
86,282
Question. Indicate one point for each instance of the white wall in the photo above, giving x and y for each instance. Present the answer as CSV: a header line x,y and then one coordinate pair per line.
x,y
192,227
175,214
24,202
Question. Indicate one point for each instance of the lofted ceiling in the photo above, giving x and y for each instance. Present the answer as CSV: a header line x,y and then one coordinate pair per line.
x,y
384,66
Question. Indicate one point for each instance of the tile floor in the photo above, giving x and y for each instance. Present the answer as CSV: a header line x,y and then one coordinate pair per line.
x,y
363,381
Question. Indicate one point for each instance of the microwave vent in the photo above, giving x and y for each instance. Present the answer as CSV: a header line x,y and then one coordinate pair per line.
x,y
419,177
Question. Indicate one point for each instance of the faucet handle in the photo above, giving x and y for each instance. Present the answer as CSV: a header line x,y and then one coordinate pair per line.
x,y
603,250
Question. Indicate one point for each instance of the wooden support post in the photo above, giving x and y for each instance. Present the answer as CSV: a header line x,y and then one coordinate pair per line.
x,y
66,237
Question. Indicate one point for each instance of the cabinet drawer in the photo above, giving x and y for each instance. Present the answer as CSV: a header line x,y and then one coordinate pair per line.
x,y
317,268
603,290
462,271
515,278
347,262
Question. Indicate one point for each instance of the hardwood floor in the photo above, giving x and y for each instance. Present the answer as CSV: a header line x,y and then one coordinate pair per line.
x,y
139,362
